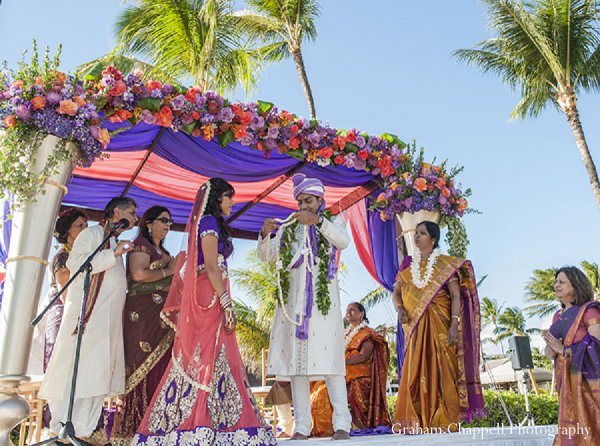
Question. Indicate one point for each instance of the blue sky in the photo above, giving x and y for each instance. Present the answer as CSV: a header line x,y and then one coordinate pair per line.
x,y
386,66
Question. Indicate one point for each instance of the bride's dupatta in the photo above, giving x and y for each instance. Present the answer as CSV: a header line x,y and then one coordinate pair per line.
x,y
578,382
431,365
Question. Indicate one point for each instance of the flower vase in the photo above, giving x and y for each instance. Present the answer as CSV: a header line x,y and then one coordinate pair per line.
x,y
408,224
32,228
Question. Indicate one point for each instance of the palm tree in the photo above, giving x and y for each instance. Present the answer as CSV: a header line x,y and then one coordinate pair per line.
x,y
490,313
283,25
550,50
197,38
258,281
511,322
374,297
540,289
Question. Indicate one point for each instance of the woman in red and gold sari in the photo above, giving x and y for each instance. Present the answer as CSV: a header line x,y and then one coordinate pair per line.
x,y
573,340
367,357
437,304
204,396
147,340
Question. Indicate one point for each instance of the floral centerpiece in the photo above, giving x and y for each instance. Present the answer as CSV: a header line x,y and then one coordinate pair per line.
x,y
419,185
38,100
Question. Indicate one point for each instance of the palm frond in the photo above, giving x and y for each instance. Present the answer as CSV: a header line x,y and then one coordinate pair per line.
x,y
374,297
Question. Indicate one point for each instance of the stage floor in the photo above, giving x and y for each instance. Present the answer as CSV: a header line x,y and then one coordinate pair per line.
x,y
507,436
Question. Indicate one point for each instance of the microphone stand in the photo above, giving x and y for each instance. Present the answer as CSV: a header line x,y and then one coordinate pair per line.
x,y
67,431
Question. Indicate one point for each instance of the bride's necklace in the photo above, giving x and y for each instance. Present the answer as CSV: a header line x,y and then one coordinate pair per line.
x,y
415,268
351,332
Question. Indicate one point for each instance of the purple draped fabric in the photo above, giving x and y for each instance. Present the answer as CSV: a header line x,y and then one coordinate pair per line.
x,y
5,232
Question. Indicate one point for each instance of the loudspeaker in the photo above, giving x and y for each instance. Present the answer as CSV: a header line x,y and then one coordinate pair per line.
x,y
520,352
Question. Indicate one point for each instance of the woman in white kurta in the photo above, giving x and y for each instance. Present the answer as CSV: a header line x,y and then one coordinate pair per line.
x,y
318,354
101,363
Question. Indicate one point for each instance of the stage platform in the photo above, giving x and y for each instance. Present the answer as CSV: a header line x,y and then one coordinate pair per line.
x,y
506,436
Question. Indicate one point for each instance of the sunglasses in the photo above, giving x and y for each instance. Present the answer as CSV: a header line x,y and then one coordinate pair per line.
x,y
165,220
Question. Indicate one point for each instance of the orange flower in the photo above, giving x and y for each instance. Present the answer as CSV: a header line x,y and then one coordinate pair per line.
x,y
104,137
79,101
17,84
405,175
164,117
39,81
209,132
420,184
462,204
190,95
382,216
382,200
9,121
325,152
311,156
436,169
38,102
394,186
118,89
441,183
154,85
446,192
294,143
121,115
68,107
239,131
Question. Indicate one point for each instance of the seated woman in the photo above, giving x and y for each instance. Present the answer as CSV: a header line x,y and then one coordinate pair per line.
x,y
147,339
367,357
573,341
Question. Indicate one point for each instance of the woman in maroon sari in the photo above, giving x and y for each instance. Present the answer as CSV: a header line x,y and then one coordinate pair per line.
x,y
573,340
204,396
147,339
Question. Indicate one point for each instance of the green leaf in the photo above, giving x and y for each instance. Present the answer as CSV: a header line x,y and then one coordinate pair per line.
x,y
296,153
152,104
351,147
393,139
94,73
188,128
264,107
314,123
225,138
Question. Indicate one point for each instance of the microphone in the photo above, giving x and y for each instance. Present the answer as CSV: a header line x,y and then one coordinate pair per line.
x,y
121,224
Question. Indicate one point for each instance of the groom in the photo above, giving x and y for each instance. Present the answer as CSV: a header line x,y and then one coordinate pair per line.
x,y
307,339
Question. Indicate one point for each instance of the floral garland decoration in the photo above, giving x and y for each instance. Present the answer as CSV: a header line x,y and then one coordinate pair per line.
x,y
415,266
353,331
322,299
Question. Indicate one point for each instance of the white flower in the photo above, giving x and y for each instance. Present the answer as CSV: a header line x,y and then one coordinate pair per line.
x,y
415,268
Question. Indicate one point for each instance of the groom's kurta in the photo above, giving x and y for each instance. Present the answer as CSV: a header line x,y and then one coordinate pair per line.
x,y
323,352
102,363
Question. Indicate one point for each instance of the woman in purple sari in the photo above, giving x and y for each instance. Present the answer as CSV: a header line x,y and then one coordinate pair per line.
x,y
573,340
147,339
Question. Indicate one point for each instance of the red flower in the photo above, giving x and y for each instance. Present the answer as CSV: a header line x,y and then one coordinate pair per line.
x,y
340,141
113,72
190,95
195,115
339,159
10,121
294,143
164,118
240,132
294,129
213,107
363,154
351,136
326,152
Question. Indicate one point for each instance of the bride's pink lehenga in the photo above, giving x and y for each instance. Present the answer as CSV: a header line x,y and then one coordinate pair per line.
x,y
204,397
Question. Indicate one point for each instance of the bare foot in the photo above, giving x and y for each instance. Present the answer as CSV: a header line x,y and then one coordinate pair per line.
x,y
341,435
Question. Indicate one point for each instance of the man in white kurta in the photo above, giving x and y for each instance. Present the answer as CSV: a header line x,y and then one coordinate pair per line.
x,y
101,363
321,355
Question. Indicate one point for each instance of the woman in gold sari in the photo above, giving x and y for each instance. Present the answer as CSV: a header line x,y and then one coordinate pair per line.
x,y
437,305
367,357
147,339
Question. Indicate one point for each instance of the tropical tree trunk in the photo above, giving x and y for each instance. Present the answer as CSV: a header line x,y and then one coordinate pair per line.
x,y
297,55
568,103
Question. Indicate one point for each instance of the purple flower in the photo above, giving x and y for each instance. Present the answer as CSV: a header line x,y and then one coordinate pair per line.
x,y
147,117
360,164
360,141
177,102
258,122
247,140
53,97
157,94
107,81
23,112
225,115
271,144
273,132
167,89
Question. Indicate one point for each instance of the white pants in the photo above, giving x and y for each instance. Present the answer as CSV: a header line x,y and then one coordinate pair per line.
x,y
285,420
336,387
86,413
